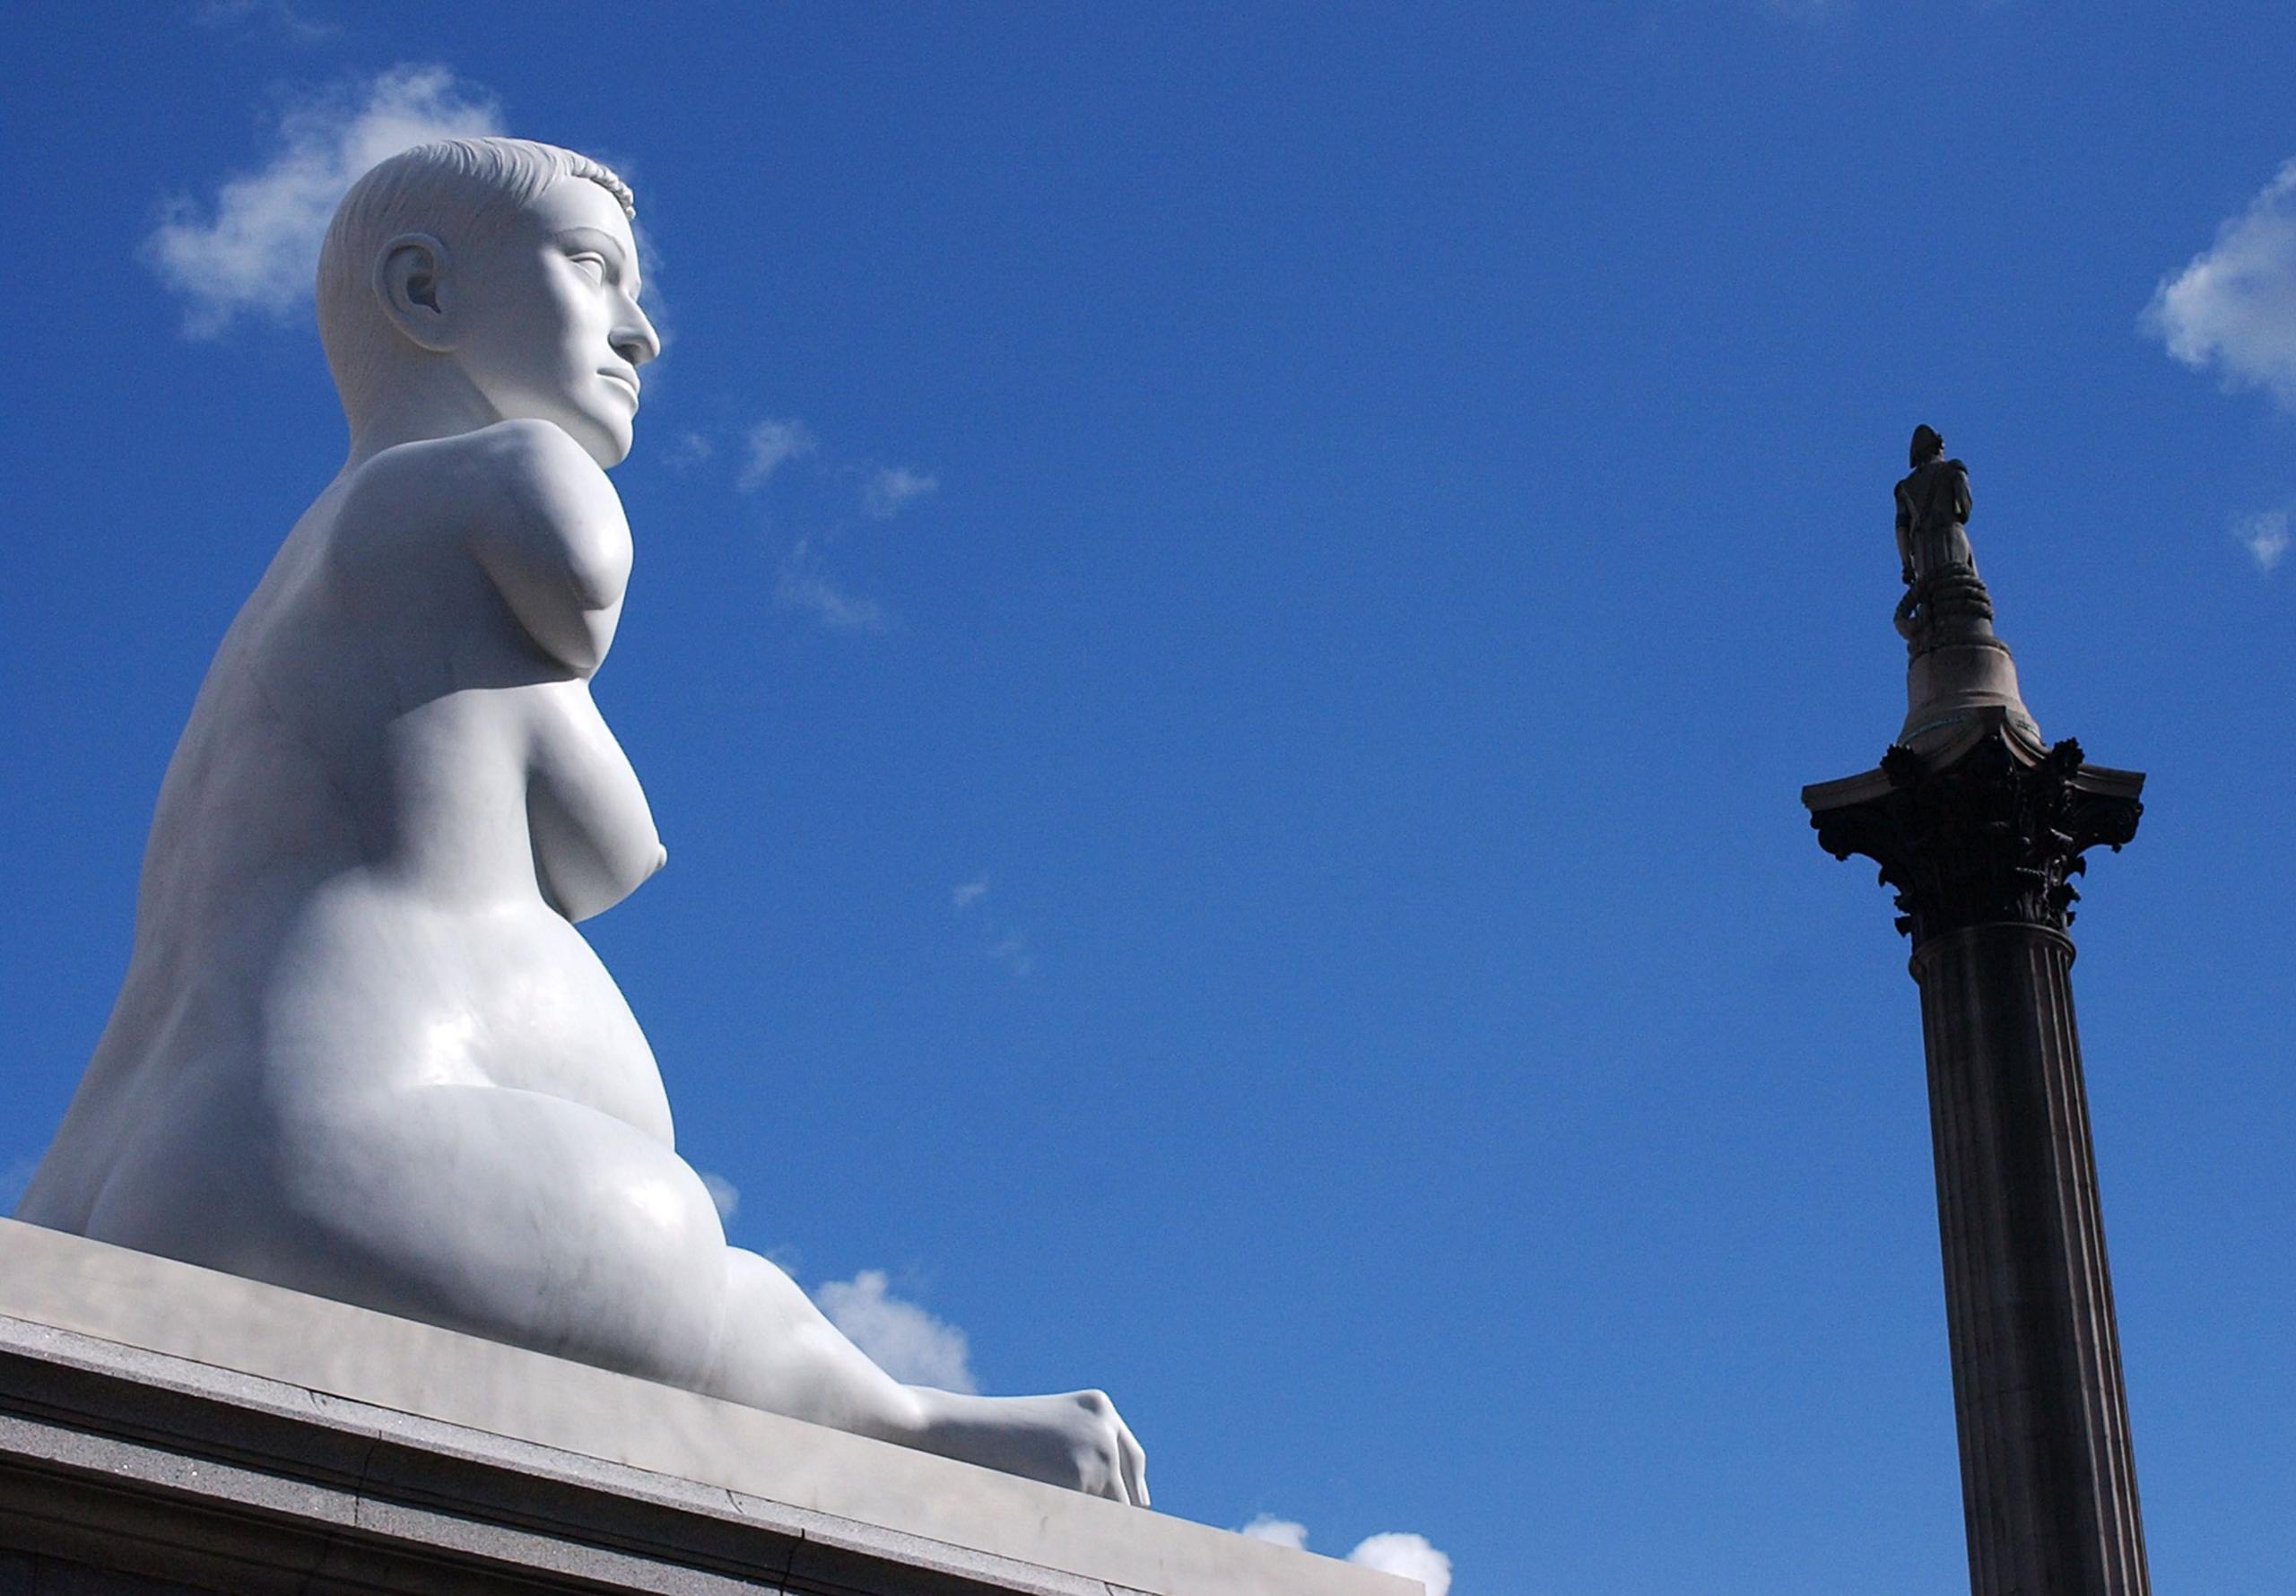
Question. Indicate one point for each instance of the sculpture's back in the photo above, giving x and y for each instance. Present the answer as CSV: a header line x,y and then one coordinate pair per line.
x,y
361,1049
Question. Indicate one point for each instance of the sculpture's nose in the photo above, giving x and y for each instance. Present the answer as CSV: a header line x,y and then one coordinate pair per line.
x,y
635,339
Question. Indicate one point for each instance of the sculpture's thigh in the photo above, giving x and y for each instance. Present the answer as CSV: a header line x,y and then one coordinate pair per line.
x,y
505,1213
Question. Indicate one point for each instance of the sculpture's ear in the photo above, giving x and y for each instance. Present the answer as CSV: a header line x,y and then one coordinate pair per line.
x,y
409,271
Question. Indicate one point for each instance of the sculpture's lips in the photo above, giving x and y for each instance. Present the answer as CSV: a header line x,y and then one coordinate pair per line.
x,y
625,380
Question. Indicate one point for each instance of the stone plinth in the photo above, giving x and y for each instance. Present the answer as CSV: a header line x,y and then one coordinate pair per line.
x,y
167,1429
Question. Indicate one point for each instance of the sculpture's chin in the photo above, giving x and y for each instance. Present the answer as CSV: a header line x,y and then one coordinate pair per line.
x,y
617,437
603,425
606,442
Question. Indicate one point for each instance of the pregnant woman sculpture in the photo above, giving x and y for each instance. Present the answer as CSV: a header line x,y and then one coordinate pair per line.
x,y
361,1050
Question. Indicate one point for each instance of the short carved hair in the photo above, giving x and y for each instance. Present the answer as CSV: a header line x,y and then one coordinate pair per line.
x,y
452,190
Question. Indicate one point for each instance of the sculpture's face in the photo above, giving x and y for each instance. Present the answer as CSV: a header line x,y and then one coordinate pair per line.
x,y
555,333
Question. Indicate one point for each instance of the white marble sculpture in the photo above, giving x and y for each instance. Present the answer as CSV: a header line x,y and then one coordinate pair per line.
x,y
360,1050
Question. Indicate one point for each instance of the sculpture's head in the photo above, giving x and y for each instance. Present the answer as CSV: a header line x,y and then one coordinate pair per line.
x,y
499,276
1928,446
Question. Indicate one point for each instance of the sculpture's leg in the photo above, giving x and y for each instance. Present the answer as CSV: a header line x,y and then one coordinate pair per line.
x,y
528,1220
780,1353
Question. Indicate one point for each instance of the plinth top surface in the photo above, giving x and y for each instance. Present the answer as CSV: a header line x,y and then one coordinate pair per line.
x,y
177,1311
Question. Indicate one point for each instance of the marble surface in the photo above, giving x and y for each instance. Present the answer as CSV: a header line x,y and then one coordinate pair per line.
x,y
361,1050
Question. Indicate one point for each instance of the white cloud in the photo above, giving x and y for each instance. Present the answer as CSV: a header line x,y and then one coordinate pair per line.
x,y
804,586
965,894
770,446
724,1194
1282,1531
890,487
900,1338
1409,1556
2234,306
2265,535
254,251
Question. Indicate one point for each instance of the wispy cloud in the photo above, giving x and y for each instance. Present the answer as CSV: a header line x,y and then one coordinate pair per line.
x,y
276,16
687,450
804,586
900,1337
1011,949
725,1196
2265,535
891,487
253,250
2234,307
768,446
807,582
1409,1556
1002,943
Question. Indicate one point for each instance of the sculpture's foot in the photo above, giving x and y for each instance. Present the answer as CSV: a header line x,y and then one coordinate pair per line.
x,y
1075,1440
780,1353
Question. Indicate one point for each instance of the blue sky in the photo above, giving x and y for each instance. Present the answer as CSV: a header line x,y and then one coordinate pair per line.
x,y
1231,605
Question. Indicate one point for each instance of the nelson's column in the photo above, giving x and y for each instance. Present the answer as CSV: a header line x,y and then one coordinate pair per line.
x,y
1980,826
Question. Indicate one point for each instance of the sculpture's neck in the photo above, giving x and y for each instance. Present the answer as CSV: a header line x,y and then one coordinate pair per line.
x,y
436,401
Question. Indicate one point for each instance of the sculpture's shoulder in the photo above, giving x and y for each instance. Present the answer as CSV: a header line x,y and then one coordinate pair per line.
x,y
1923,490
524,467
521,496
535,459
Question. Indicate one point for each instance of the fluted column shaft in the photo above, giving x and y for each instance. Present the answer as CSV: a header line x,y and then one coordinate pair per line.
x,y
1982,841
2048,1481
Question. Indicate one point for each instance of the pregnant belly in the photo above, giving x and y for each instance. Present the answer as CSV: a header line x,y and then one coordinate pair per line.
x,y
549,1019
509,995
